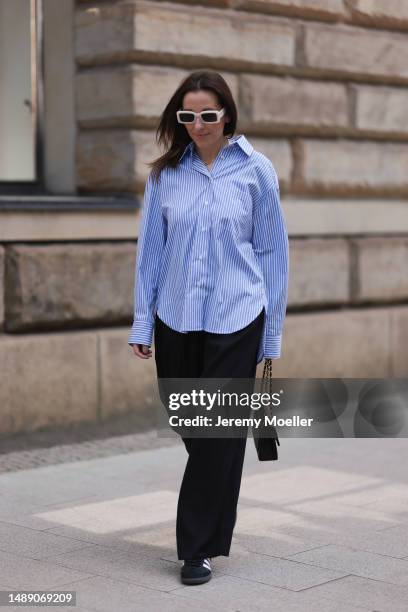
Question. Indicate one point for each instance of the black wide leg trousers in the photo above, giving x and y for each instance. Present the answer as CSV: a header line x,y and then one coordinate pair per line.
x,y
209,491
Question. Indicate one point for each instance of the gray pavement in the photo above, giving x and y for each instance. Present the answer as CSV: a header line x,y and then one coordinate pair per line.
x,y
323,528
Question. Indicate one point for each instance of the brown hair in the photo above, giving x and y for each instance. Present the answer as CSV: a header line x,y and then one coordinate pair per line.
x,y
173,135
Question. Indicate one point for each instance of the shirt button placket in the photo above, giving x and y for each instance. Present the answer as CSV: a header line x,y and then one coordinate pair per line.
x,y
202,242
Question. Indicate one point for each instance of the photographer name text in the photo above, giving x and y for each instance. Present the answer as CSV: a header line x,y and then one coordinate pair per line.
x,y
205,421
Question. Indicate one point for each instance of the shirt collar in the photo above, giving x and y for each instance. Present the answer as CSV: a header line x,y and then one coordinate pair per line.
x,y
240,140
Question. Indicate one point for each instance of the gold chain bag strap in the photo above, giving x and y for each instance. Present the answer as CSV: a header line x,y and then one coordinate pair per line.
x,y
266,446
267,376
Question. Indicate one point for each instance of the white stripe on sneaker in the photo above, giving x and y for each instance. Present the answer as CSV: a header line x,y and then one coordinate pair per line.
x,y
206,563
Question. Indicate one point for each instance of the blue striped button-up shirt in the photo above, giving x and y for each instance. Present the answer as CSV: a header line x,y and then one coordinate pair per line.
x,y
213,248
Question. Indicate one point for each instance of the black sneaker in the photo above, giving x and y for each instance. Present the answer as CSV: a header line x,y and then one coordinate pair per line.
x,y
196,571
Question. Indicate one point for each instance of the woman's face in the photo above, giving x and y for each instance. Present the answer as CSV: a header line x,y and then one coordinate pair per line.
x,y
204,134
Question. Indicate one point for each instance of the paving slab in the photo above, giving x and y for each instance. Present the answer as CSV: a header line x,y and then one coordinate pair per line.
x,y
313,535
392,542
304,483
115,515
373,594
276,571
274,543
33,543
360,519
159,540
24,573
375,494
358,562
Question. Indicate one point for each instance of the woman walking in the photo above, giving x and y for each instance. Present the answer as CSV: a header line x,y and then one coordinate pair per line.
x,y
211,283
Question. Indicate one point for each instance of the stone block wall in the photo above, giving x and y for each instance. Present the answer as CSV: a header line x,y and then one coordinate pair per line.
x,y
322,89
323,82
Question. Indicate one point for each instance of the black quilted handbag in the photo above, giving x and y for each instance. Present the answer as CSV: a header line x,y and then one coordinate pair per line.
x,y
266,446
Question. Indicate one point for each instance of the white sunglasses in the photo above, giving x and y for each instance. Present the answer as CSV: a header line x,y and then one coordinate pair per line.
x,y
207,116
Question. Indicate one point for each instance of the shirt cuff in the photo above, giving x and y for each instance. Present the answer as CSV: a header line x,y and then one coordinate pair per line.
x,y
141,333
273,346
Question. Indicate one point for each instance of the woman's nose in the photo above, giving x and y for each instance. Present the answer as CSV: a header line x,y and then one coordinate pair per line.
x,y
198,122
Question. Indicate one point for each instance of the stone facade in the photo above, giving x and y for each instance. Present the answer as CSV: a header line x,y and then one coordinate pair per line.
x,y
321,88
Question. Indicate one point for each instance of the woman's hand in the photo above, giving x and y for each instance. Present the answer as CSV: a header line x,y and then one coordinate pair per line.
x,y
142,350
